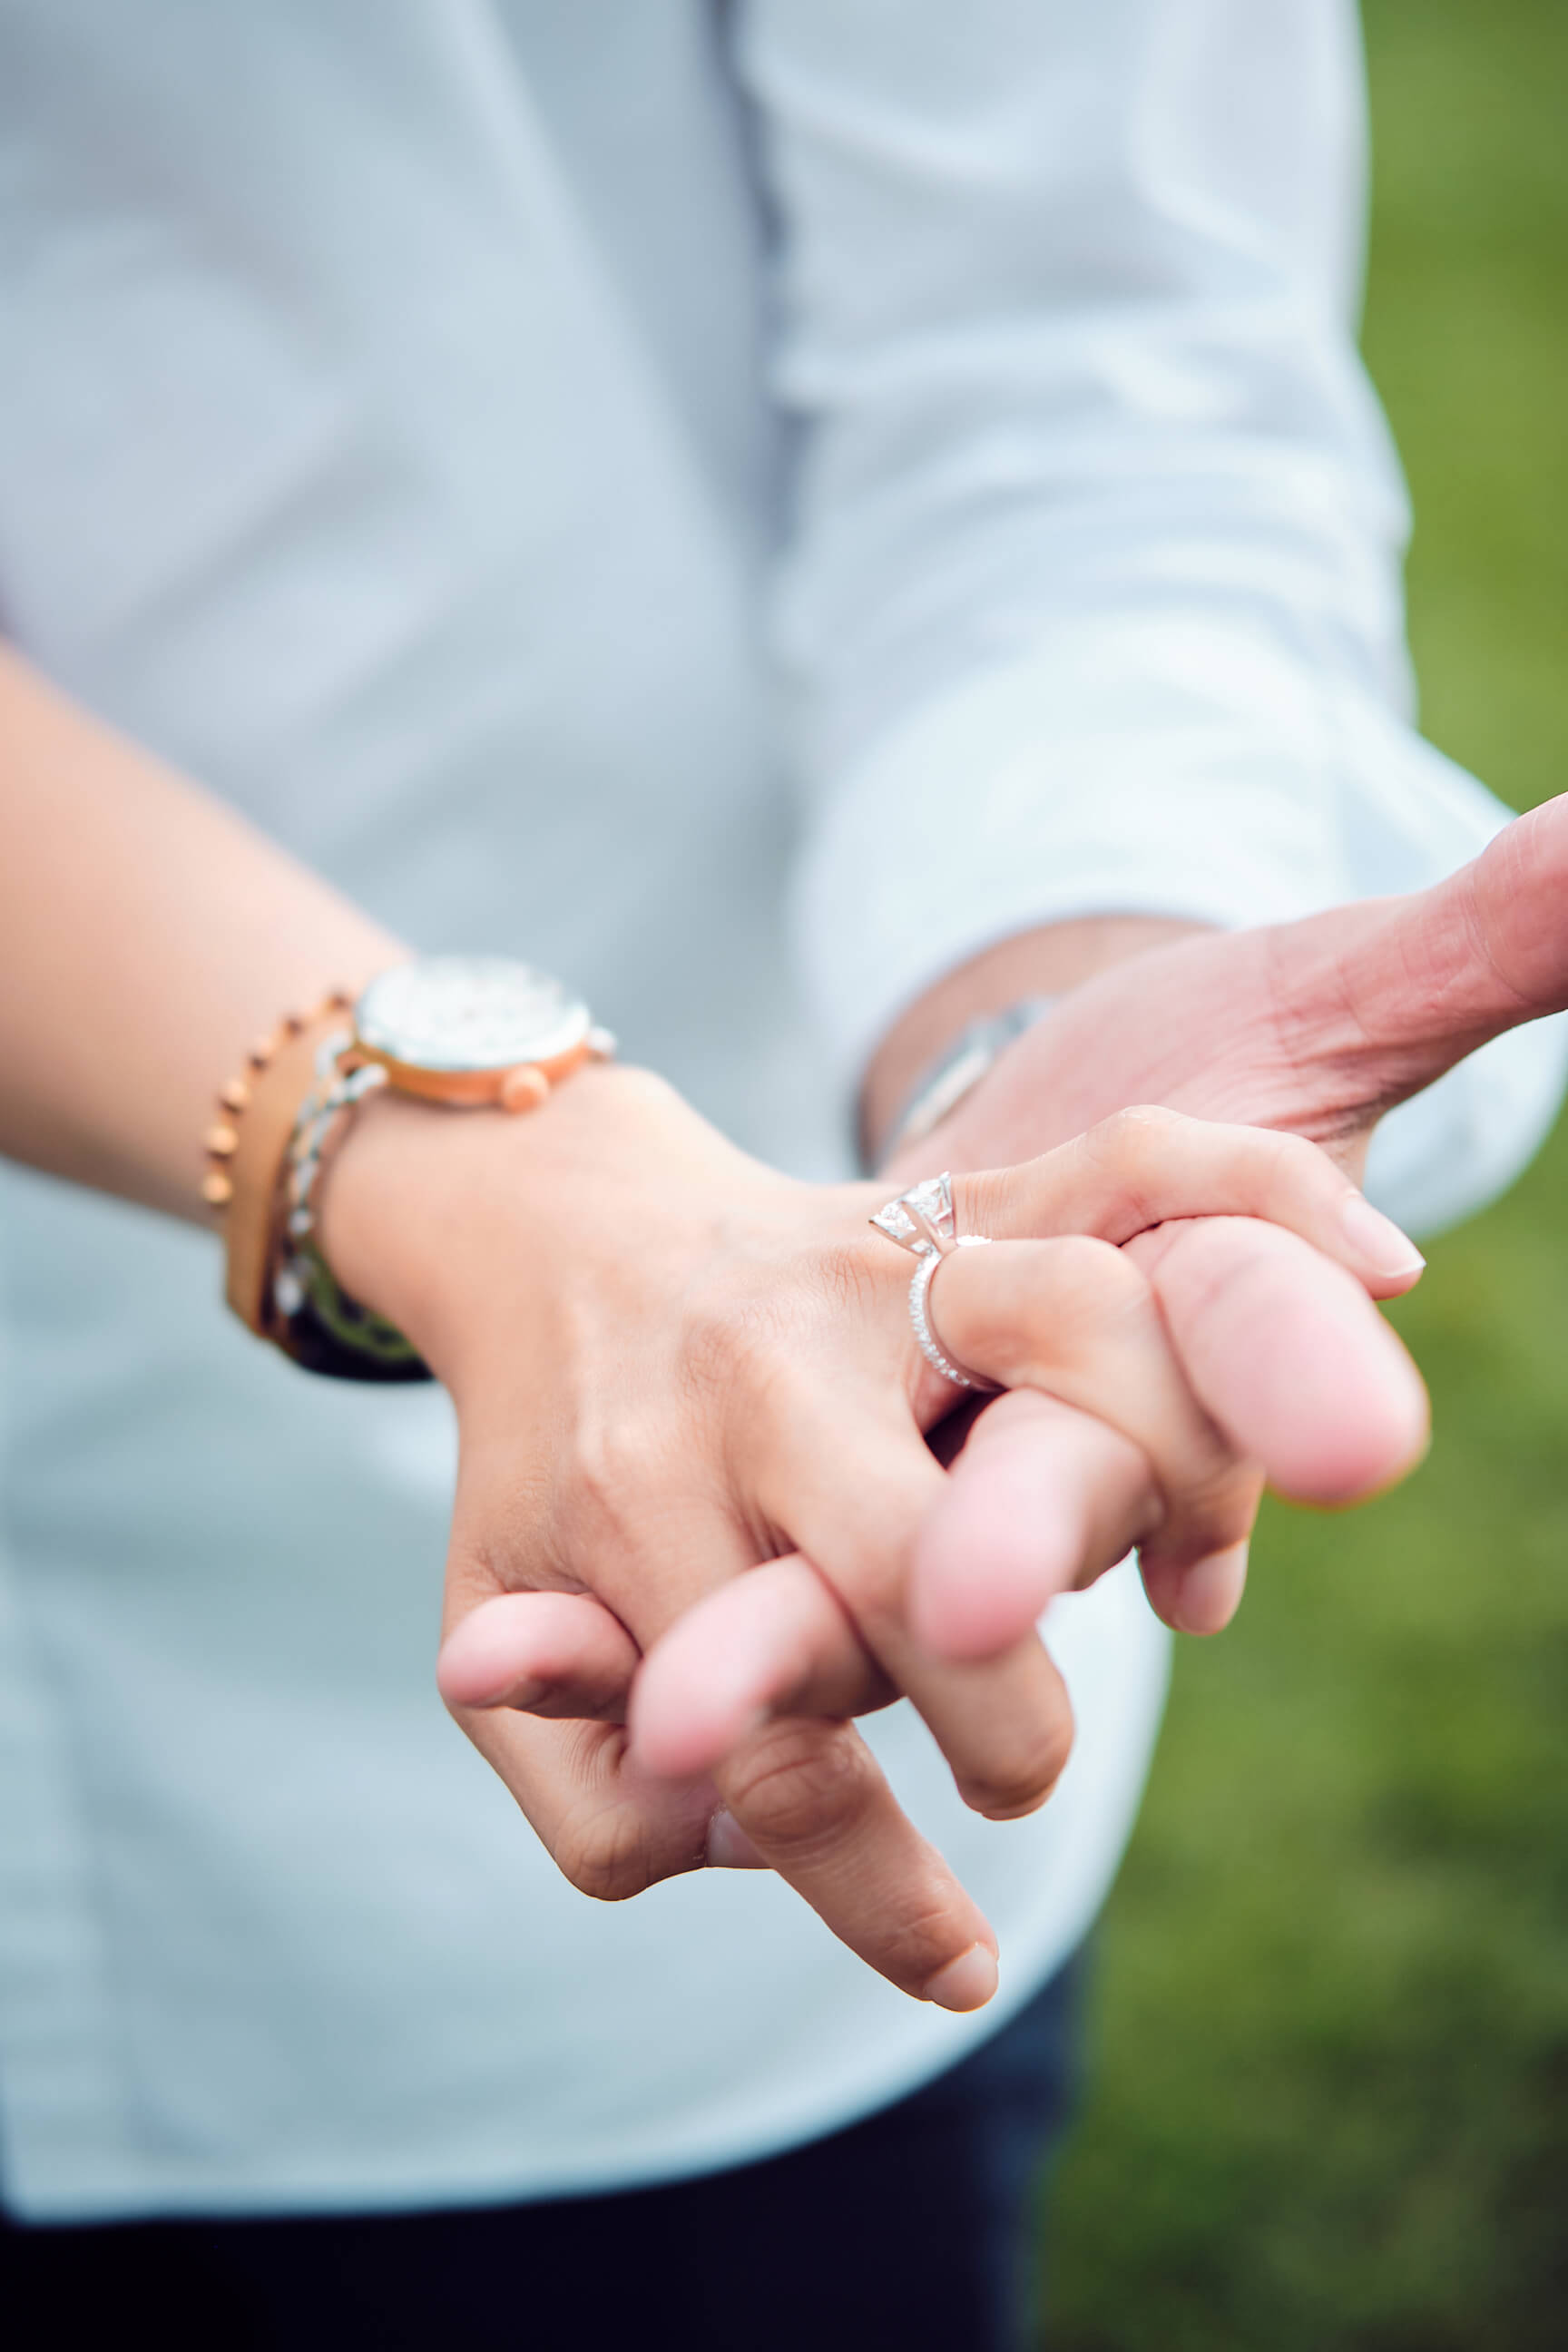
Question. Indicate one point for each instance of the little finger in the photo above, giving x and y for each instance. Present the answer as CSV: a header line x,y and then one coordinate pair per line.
x,y
814,1802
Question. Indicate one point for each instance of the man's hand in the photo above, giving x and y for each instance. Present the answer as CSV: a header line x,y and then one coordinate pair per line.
x,y
677,1371
1315,1028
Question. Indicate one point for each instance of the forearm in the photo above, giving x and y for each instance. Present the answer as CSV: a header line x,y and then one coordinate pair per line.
x,y
150,934
1045,962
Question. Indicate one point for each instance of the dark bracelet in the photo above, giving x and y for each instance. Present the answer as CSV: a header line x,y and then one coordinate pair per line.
x,y
314,1320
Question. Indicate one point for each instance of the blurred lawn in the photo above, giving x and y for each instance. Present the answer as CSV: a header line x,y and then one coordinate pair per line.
x,y
1330,2096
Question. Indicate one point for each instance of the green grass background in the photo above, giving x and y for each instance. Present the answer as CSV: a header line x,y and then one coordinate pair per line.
x,y
1328,2105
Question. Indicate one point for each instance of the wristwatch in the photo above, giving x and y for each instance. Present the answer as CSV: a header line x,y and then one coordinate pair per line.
x,y
471,1031
474,1031
466,1031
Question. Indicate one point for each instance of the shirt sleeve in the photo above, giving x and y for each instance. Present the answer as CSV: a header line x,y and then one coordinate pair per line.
x,y
1092,595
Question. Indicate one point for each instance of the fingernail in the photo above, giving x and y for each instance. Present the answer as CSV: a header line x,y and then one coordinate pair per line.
x,y
728,1847
1377,1240
1210,1592
967,1982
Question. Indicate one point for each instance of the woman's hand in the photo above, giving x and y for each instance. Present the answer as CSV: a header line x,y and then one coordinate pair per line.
x,y
670,1364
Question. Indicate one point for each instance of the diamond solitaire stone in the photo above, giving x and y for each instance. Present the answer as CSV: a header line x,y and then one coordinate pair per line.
x,y
922,1219
893,1221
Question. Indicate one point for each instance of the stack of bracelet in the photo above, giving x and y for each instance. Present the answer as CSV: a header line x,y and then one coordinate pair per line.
x,y
283,1116
304,1288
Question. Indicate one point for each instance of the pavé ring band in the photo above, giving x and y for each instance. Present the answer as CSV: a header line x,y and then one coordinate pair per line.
x,y
922,1222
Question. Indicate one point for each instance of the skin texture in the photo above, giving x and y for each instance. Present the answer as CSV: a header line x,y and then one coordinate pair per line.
x,y
1315,1028
729,1317
743,1388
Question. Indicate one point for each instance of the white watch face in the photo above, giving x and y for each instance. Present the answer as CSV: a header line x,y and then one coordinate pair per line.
x,y
462,1014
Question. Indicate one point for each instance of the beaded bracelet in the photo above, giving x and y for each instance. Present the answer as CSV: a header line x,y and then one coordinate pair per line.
x,y
246,1152
221,1142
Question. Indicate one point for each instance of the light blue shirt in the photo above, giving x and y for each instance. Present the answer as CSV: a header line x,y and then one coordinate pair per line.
x,y
742,506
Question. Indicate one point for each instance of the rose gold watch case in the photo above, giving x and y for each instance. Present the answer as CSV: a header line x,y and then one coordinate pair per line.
x,y
475,1031
481,1089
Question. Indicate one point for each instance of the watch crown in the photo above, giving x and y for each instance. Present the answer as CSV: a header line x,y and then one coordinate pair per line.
x,y
523,1089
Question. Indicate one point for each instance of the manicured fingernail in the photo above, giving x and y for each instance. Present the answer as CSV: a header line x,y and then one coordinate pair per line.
x,y
1210,1592
728,1847
967,1982
1377,1240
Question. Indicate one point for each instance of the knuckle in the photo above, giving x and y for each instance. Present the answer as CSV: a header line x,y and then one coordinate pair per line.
x,y
797,1784
1215,1505
1141,1132
606,1855
1135,1146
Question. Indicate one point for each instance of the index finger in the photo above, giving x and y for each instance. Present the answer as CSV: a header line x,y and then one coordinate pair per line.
x,y
813,1799
1147,1165
809,1798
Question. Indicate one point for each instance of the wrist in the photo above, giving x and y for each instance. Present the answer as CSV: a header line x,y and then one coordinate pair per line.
x,y
484,1038
369,1215
1047,962
420,1214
